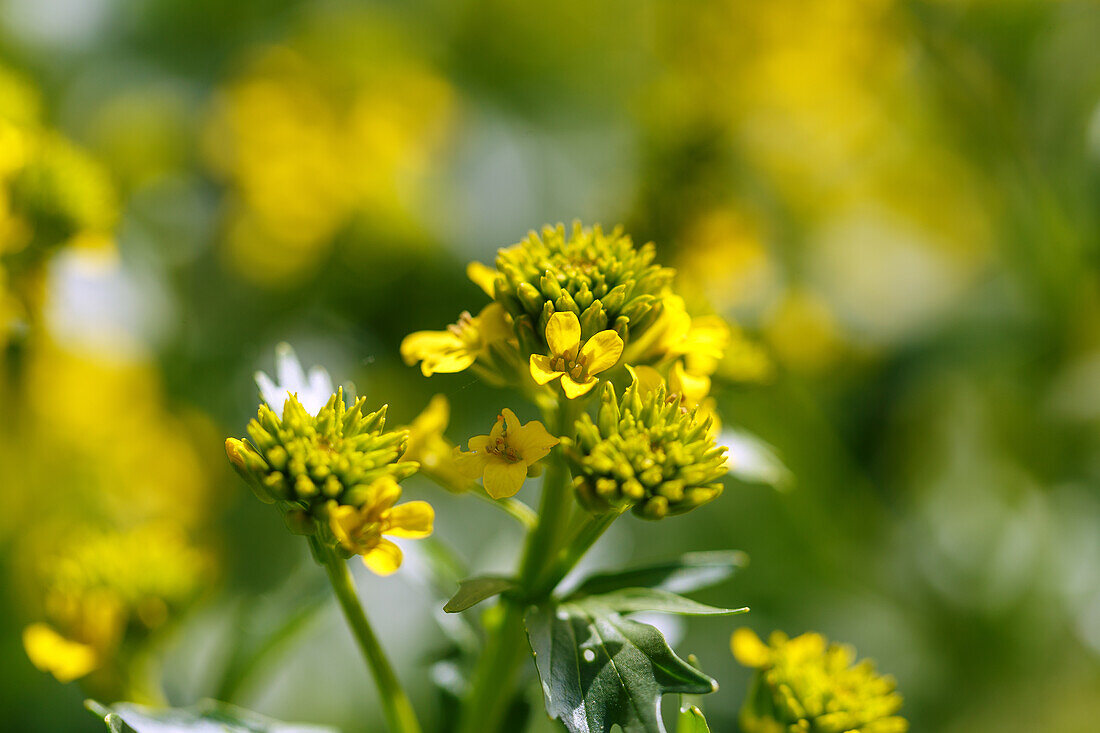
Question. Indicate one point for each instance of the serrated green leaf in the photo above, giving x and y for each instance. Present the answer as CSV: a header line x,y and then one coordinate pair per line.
x,y
599,669
690,572
691,720
208,715
475,590
637,600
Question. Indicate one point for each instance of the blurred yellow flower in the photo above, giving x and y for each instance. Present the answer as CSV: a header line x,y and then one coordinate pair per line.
x,y
807,684
576,365
428,446
51,652
458,347
503,457
360,530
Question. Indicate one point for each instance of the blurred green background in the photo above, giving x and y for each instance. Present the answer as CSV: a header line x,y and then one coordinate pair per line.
x,y
898,200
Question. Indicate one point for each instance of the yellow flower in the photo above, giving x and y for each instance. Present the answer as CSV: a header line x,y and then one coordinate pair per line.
x,y
503,456
458,347
806,683
574,364
359,530
483,276
51,652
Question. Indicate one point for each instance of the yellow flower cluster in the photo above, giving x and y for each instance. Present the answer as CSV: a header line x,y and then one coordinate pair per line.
x,y
98,588
301,160
806,685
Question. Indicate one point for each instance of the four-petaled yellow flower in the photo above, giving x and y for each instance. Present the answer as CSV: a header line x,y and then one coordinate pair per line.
x,y
360,530
458,347
502,457
575,364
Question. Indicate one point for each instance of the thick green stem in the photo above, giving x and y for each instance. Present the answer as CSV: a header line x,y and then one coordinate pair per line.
x,y
400,716
581,542
494,678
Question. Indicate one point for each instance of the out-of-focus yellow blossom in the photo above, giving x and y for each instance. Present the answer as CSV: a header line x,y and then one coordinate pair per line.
x,y
428,446
483,276
458,347
302,160
803,332
805,684
573,363
360,530
100,588
723,256
503,457
51,652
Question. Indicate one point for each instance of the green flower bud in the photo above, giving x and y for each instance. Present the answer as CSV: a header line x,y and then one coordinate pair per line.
x,y
644,452
602,278
304,461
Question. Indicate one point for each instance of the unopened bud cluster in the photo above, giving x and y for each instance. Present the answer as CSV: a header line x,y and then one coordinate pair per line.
x,y
302,462
645,452
602,278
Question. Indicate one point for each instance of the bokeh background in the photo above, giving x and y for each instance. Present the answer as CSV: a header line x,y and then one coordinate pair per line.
x,y
897,201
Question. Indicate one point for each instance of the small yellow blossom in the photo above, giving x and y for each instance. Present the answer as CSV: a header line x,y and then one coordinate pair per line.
x,y
459,346
483,276
575,364
51,652
359,530
806,683
503,456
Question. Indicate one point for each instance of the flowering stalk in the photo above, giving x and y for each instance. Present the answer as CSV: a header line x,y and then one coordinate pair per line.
x,y
505,649
400,716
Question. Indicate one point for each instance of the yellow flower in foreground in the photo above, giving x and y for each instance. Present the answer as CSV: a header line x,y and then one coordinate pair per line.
x,y
360,530
458,347
503,456
575,364
807,684
51,652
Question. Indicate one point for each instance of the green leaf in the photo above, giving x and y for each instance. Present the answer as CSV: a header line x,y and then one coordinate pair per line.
x,y
691,720
208,715
691,572
635,600
599,669
475,590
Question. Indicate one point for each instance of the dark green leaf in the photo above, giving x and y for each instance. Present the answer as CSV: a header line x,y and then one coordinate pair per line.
x,y
635,600
206,716
475,590
691,720
599,669
691,572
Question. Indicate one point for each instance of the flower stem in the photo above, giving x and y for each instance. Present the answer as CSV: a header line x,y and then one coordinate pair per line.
x,y
492,687
583,539
400,716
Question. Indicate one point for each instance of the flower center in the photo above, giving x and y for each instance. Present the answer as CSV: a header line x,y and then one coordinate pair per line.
x,y
466,329
571,363
500,448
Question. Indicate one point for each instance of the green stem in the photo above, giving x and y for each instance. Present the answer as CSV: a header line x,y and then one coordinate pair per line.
x,y
514,508
400,716
583,539
494,678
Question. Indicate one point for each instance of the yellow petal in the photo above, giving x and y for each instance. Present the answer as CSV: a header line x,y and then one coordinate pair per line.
x,y
433,420
479,443
748,649
691,387
504,478
412,519
533,441
483,276
647,378
511,421
541,371
416,345
342,519
563,332
602,351
49,651
494,324
384,558
574,389
382,494
471,465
